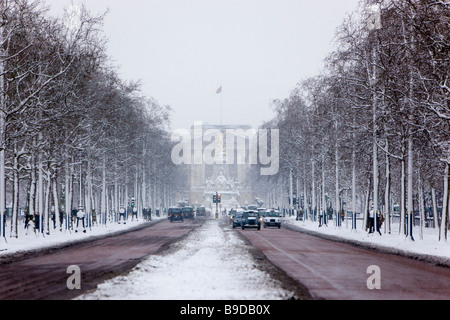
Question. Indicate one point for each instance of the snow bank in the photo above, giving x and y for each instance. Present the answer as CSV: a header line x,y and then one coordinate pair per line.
x,y
36,241
210,264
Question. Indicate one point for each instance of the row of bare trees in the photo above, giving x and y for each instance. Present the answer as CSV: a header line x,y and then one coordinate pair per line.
x,y
373,131
71,131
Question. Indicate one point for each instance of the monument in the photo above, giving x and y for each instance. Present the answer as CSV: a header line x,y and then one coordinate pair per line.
x,y
231,181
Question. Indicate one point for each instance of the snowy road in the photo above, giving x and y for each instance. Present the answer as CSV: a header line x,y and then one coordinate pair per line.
x,y
208,260
43,274
335,270
212,263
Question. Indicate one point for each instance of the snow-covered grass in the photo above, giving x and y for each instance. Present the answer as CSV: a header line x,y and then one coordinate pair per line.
x,y
29,240
210,264
428,248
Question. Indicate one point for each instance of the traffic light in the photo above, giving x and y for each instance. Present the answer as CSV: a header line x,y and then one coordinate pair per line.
x,y
219,200
214,198
132,202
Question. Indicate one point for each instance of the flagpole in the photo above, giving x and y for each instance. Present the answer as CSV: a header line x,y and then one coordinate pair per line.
x,y
219,91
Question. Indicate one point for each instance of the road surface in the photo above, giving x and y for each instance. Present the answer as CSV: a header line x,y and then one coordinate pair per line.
x,y
329,270
43,275
333,270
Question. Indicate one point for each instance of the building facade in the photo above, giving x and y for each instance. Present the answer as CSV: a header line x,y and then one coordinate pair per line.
x,y
224,167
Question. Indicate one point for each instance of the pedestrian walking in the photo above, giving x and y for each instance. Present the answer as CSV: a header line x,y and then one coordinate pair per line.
x,y
371,221
80,217
144,213
372,217
37,221
29,223
134,213
122,213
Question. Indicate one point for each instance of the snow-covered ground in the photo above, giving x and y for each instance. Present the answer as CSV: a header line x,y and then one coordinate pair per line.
x,y
428,248
209,264
213,263
29,240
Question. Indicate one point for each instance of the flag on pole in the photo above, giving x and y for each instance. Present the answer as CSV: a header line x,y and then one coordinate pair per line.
x,y
219,90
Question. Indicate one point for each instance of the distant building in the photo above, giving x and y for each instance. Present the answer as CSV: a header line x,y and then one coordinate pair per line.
x,y
224,175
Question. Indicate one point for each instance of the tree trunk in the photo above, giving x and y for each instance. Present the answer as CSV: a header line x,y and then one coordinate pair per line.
x,y
46,227
40,191
366,205
103,206
387,191
68,192
324,202
402,225
410,187
15,204
435,207
313,193
445,206
56,198
291,202
336,186
2,137
421,206
144,182
32,188
354,174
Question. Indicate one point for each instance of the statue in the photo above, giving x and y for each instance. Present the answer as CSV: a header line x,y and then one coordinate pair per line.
x,y
221,181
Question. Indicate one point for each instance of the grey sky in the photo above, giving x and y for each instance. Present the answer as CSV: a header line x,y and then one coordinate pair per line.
x,y
184,50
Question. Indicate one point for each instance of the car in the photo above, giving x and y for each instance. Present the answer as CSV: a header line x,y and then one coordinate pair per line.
x,y
188,212
236,219
272,219
233,212
201,211
251,219
176,214
169,211
262,213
